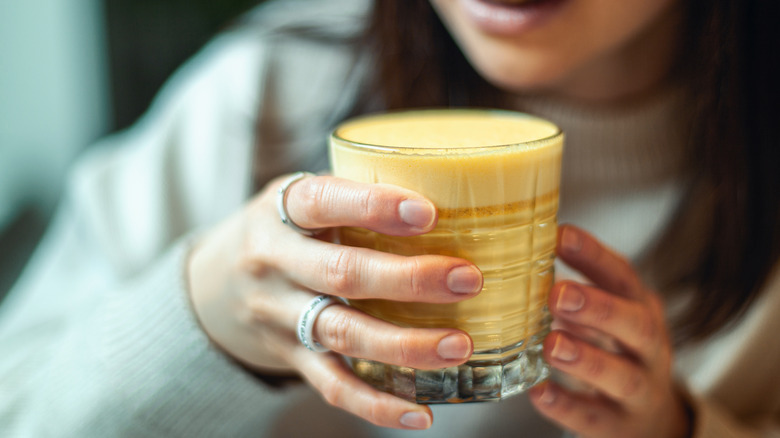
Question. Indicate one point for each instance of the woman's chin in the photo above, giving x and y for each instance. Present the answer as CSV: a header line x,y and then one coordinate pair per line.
x,y
524,80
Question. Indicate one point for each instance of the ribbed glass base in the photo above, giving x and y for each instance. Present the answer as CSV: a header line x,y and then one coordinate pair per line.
x,y
483,378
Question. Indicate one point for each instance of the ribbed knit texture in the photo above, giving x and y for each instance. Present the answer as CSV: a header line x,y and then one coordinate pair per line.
x,y
636,143
172,378
139,365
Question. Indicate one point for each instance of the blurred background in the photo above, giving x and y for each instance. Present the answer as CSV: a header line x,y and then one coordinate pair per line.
x,y
72,71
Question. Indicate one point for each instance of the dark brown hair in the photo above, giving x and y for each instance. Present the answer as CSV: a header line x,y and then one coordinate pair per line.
x,y
418,63
731,65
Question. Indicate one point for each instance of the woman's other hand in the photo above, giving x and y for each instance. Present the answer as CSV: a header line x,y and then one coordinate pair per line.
x,y
631,391
252,276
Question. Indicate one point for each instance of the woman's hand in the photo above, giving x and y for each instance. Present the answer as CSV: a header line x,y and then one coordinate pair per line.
x,y
252,276
632,393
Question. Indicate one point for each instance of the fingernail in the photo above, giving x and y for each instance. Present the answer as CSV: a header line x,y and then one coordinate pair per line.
x,y
571,241
570,299
454,347
548,396
464,280
417,213
416,420
564,349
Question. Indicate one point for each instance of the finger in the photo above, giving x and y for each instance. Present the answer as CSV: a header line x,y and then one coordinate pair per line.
x,y
600,264
331,377
327,201
614,376
636,325
355,334
590,335
583,414
360,273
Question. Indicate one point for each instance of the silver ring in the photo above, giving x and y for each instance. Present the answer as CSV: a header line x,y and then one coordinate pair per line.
x,y
280,198
305,328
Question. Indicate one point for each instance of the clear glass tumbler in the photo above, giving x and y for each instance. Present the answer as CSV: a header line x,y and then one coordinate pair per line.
x,y
494,177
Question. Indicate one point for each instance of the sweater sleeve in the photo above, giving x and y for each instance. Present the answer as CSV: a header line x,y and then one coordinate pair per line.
x,y
97,338
125,360
732,378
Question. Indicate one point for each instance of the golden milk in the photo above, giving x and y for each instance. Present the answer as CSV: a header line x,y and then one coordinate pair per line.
x,y
494,177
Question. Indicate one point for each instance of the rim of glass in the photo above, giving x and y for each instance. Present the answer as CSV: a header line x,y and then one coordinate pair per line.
x,y
532,144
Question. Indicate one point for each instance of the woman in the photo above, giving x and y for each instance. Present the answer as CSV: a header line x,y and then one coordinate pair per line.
x,y
129,322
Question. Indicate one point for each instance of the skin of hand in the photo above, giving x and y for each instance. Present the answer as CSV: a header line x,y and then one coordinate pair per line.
x,y
632,392
251,276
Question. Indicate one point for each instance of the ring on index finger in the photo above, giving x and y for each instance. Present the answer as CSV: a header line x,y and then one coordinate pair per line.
x,y
305,327
280,203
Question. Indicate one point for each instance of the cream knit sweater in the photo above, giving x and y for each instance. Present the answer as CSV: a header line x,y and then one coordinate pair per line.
x,y
98,339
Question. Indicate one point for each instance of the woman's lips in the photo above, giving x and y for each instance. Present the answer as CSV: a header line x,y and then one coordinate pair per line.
x,y
509,17
510,2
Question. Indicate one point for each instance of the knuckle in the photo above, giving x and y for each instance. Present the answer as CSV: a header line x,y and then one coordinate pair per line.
x,y
592,418
594,367
338,333
603,310
258,249
632,386
647,329
375,413
341,272
252,264
407,350
564,404
310,194
256,311
369,207
332,392
415,274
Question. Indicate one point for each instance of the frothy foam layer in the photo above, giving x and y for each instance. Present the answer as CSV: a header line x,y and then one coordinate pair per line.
x,y
447,129
457,158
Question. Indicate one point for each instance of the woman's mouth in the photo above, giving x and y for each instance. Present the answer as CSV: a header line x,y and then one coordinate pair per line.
x,y
510,2
509,17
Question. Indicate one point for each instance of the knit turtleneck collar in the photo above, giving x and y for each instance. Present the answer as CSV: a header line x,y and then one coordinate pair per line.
x,y
634,144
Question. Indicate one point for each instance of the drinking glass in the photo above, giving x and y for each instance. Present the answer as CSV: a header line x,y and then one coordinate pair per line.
x,y
494,177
